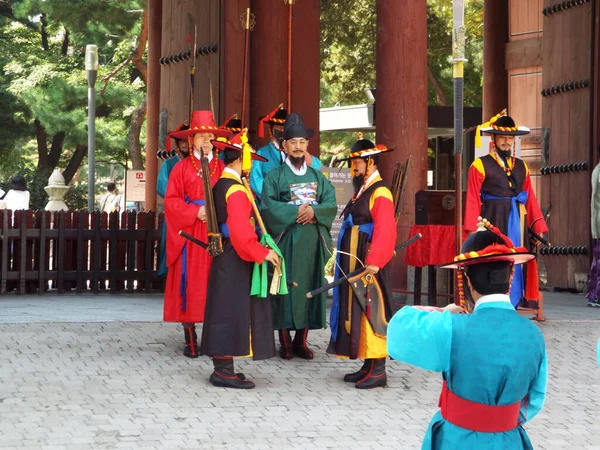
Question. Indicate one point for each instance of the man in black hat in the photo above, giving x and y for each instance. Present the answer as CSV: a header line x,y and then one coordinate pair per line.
x,y
369,234
273,151
493,360
499,188
298,205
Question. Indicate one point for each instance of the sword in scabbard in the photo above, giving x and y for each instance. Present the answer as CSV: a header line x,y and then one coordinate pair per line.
x,y
204,245
345,278
215,242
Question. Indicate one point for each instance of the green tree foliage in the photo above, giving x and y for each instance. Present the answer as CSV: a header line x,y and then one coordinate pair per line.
x,y
348,52
43,86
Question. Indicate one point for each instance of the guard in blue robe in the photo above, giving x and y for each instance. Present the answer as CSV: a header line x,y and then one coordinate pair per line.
x,y
161,189
493,361
273,151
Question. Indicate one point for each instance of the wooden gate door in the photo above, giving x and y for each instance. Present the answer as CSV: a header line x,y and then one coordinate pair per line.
x,y
567,138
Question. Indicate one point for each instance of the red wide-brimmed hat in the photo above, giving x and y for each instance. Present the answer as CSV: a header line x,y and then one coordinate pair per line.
x,y
202,122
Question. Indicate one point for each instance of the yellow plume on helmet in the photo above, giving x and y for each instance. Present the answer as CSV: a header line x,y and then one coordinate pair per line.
x,y
246,152
487,125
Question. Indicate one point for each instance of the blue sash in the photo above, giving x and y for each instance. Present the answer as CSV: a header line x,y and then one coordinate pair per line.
x,y
183,281
514,234
335,305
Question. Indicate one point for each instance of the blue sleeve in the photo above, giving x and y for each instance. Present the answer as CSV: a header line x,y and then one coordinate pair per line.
x,y
163,178
537,393
421,338
316,163
257,177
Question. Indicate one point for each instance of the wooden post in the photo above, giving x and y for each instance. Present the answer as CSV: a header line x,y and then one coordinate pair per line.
x,y
152,117
495,76
401,103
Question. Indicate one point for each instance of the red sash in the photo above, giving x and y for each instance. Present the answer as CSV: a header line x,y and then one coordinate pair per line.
x,y
477,416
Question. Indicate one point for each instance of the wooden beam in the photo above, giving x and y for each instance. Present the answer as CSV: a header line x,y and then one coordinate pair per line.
x,y
523,53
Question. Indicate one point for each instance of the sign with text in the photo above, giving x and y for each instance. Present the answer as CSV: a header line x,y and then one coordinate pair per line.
x,y
135,186
342,182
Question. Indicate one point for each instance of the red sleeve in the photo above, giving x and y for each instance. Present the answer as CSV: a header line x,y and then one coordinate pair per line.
x,y
473,202
179,215
535,218
241,232
384,232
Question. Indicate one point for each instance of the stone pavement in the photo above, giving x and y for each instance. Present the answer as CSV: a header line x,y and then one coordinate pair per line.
x,y
102,372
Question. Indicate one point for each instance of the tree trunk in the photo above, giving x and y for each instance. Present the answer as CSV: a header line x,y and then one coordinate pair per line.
x,y
42,145
133,137
75,163
65,43
440,97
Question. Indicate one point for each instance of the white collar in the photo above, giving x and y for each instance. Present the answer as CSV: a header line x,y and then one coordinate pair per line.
x,y
369,181
198,156
233,172
301,171
492,298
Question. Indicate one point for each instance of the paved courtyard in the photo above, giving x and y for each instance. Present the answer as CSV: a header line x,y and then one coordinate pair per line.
x,y
92,377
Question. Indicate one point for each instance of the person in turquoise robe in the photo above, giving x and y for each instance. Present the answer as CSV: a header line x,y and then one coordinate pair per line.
x,y
273,151
298,208
493,361
161,189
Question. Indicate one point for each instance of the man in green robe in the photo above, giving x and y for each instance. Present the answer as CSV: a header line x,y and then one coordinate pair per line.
x,y
298,206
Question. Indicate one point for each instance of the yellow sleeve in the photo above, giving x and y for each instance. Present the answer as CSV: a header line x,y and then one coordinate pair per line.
x,y
380,192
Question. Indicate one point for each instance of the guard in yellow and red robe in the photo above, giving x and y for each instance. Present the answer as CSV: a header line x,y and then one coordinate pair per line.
x,y
369,233
188,265
499,189
236,324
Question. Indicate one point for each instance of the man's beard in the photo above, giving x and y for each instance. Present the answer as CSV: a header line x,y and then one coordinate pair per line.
x,y
357,182
297,161
504,154
184,154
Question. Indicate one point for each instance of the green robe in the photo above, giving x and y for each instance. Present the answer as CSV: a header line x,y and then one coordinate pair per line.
x,y
302,246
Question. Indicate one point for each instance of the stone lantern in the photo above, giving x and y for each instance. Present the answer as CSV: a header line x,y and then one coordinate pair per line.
x,y
56,190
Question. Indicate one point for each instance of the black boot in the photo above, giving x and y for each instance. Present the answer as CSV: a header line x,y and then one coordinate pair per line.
x,y
224,375
356,376
285,339
299,345
375,377
191,341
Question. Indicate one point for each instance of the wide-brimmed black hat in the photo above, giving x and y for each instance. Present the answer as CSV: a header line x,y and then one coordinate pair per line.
x,y
486,245
275,117
363,148
233,124
295,128
505,125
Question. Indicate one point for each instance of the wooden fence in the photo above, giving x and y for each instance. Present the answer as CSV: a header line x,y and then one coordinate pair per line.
x,y
78,251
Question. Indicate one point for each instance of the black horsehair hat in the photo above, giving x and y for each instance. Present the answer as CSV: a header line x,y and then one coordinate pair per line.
x,y
364,148
295,128
275,117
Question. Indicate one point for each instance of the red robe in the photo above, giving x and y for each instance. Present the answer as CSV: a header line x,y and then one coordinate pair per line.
x,y
181,215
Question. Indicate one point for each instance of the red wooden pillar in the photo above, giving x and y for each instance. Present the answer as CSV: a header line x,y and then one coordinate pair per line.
x,y
153,88
495,76
402,104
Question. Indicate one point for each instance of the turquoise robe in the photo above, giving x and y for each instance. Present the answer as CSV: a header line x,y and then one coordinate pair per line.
x,y
161,188
493,356
261,169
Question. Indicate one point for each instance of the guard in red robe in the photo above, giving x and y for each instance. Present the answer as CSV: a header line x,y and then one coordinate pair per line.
x,y
358,328
188,265
499,189
236,324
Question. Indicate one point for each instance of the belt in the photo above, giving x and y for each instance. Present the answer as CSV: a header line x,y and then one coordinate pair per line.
x,y
477,416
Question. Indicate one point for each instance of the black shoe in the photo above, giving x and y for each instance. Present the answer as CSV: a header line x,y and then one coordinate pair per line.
x,y
303,352
357,376
286,352
372,382
235,382
375,376
191,351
